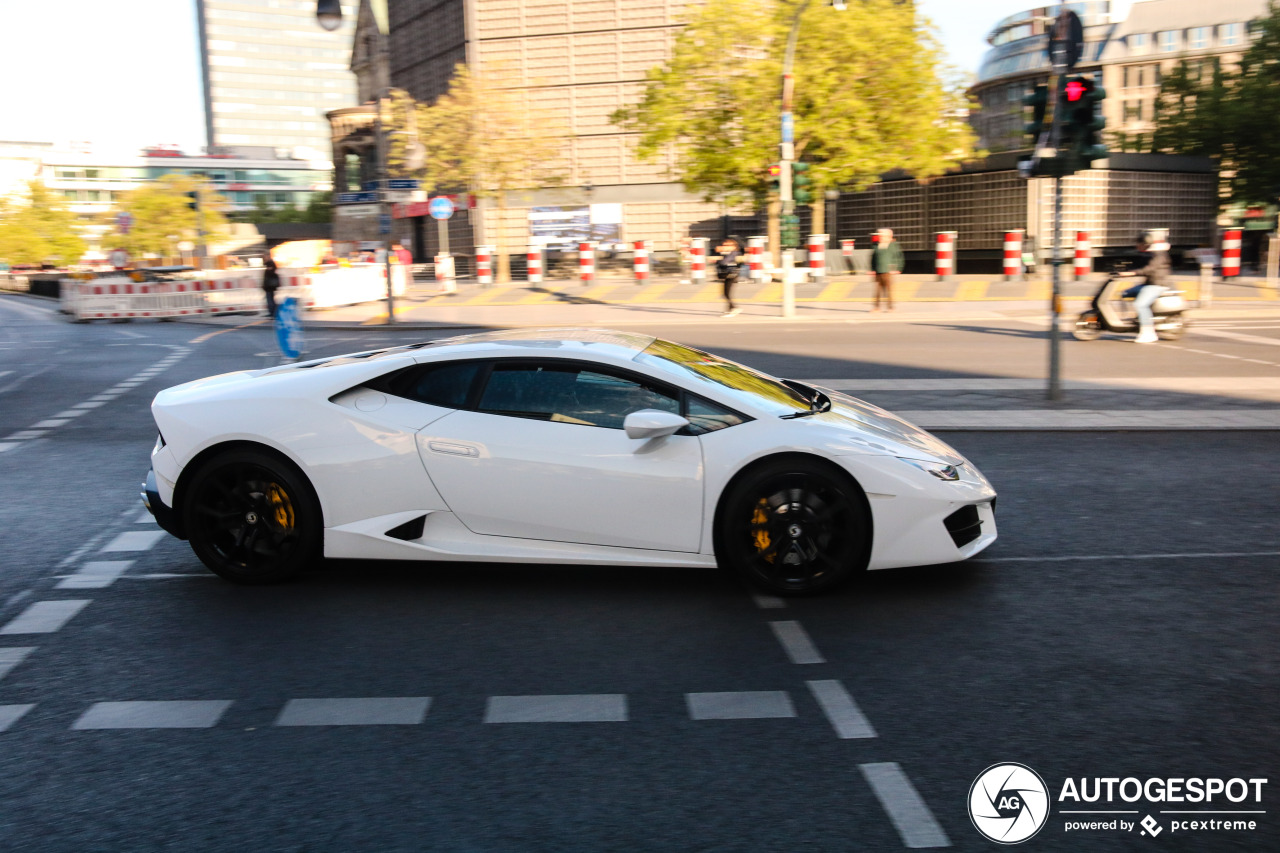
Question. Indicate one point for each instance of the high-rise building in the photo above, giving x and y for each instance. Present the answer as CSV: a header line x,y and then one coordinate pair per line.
x,y
271,73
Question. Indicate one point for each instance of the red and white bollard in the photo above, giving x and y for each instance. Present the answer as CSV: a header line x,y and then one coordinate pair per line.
x,y
641,262
1013,256
818,257
586,262
698,268
1231,253
945,255
484,265
444,273
533,262
846,251
755,257
1083,263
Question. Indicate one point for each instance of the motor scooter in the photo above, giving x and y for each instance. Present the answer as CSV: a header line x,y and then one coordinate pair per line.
x,y
1108,314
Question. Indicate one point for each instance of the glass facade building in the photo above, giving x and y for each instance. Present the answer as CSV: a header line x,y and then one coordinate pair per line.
x,y
271,73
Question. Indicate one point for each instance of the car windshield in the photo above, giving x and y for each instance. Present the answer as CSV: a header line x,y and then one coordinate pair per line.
x,y
764,390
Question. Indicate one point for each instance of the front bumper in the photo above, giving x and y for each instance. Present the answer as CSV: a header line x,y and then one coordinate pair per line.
x,y
163,514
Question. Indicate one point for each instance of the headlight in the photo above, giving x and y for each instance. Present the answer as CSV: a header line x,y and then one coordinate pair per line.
x,y
938,469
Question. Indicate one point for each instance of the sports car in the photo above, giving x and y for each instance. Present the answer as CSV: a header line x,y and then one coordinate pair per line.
x,y
568,446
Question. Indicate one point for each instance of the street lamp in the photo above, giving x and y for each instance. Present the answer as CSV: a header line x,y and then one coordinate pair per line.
x,y
329,14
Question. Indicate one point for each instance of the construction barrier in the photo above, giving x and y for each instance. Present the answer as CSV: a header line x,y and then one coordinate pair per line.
x,y
445,273
818,257
945,259
484,265
1231,253
1013,256
1083,263
586,262
533,260
755,257
641,261
698,268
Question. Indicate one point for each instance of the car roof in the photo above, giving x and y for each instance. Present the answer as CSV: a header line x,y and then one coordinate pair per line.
x,y
620,346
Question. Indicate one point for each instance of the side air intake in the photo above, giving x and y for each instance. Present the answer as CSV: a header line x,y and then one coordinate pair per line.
x,y
410,530
964,525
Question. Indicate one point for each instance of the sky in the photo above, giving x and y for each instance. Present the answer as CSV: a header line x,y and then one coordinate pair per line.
x,y
125,74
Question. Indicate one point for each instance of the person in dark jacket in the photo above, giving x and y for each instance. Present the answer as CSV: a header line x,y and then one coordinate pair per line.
x,y
727,271
1155,279
886,262
270,281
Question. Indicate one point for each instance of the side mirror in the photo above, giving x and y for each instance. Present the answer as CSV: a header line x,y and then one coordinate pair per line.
x,y
652,423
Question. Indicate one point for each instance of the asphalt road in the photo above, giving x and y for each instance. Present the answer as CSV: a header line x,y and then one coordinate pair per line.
x,y
1123,626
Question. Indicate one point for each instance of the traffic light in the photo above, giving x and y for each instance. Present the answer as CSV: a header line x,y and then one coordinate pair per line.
x,y
1038,100
790,229
1083,100
775,179
801,183
193,200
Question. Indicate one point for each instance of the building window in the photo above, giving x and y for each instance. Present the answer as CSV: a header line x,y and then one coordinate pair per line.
x,y
1168,40
1139,42
1133,111
1198,37
1229,34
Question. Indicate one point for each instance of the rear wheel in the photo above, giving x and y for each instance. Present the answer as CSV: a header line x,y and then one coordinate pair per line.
x,y
1171,328
1087,328
794,527
252,518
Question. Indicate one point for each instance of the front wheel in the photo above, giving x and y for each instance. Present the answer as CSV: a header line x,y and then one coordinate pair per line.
x,y
1087,328
794,527
252,519
1171,328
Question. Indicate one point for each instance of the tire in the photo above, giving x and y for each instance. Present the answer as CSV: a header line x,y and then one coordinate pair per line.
x,y
1173,329
252,518
1087,328
794,527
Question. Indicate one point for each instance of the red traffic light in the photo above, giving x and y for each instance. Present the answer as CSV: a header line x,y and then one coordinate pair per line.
x,y
1075,90
775,169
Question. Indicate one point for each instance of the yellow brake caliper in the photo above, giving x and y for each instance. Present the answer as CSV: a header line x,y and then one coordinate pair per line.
x,y
759,531
280,506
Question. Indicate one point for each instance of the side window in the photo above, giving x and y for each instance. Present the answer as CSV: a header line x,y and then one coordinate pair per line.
x,y
569,394
526,390
705,416
603,400
447,385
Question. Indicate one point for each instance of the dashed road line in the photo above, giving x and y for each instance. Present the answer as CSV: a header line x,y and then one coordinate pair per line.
x,y
385,711
44,617
10,714
199,714
796,643
768,602
1063,558
900,800
583,708
11,656
842,712
96,574
134,540
748,705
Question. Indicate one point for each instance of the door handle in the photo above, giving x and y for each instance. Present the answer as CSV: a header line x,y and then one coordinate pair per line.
x,y
452,449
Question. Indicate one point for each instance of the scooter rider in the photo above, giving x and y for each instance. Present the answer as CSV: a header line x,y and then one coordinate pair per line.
x,y
1156,277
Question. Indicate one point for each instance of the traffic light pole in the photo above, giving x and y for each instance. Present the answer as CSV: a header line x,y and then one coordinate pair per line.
x,y
1055,335
786,155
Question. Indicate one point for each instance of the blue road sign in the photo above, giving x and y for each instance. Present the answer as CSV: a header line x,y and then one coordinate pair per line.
x,y
356,198
788,128
440,207
289,328
402,183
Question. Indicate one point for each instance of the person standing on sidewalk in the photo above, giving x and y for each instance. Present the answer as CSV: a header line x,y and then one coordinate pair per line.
x,y
1156,277
727,271
270,281
886,262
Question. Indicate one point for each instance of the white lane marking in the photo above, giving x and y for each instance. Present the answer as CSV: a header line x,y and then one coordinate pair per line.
x,y
128,334
50,424
582,708
842,712
145,517
71,413
8,445
44,617
386,711
96,575
11,656
10,714
768,602
899,798
201,714
26,434
796,642
134,540
5,372
161,576
92,404
1236,336
1187,556
747,705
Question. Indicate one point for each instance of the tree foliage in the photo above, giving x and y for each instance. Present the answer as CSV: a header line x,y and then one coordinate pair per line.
x,y
1228,115
318,210
870,97
38,228
162,215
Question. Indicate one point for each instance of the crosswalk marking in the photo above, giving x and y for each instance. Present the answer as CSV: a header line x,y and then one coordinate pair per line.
x,y
750,705
584,708
134,540
842,712
199,714
900,800
44,617
10,714
384,711
796,643
96,574
11,656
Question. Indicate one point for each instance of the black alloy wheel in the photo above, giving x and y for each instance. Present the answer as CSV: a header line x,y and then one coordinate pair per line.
x,y
795,527
252,519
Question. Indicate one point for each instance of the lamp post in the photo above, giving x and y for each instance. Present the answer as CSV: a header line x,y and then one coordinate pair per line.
x,y
787,151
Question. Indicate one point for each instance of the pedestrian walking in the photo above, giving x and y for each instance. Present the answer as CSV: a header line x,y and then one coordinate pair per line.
x,y
886,262
727,268
270,281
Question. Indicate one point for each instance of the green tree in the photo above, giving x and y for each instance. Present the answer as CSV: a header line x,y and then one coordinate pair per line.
x,y
162,215
871,96
482,137
38,228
